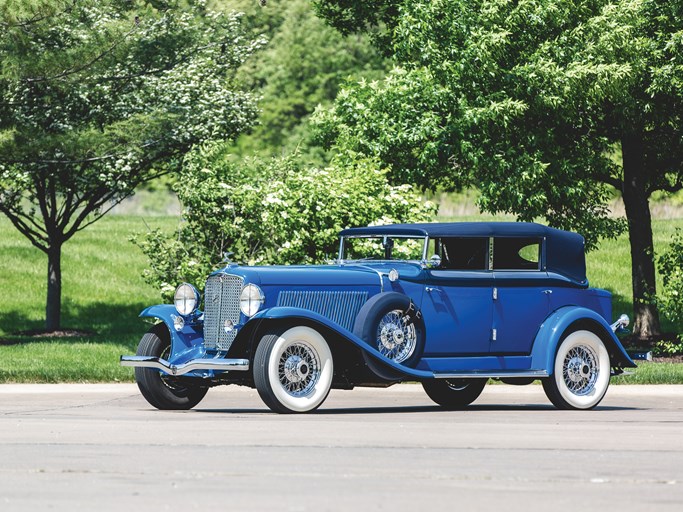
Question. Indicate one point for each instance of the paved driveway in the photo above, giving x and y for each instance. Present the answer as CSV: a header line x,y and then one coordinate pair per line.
x,y
101,447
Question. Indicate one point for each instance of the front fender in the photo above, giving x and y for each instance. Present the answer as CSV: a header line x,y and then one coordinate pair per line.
x,y
187,343
556,325
288,313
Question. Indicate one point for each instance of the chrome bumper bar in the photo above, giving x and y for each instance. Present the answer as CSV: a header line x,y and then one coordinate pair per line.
x,y
241,365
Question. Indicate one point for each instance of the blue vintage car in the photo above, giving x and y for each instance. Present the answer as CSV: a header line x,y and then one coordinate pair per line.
x,y
449,305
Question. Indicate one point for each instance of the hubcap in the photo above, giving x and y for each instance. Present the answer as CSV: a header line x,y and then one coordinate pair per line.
x,y
580,370
299,369
396,336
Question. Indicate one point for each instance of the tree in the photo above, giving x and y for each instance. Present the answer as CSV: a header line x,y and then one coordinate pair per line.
x,y
303,65
99,96
547,106
272,211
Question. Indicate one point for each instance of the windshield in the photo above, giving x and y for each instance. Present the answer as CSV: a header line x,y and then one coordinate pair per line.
x,y
382,248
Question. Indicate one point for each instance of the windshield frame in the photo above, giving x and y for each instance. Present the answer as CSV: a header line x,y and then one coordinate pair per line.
x,y
422,262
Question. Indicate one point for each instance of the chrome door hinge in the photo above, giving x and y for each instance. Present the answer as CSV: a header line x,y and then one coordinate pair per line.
x,y
494,334
495,294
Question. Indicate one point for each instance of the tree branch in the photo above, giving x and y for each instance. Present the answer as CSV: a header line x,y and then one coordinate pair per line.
x,y
37,19
78,69
33,236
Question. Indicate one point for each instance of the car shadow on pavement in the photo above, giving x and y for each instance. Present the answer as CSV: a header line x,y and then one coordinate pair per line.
x,y
418,409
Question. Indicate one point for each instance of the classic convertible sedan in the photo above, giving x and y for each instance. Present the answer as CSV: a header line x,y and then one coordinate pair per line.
x,y
450,305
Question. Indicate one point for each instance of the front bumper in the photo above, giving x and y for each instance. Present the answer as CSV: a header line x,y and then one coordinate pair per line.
x,y
241,365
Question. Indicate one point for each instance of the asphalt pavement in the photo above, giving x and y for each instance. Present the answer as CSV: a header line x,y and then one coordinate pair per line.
x,y
102,447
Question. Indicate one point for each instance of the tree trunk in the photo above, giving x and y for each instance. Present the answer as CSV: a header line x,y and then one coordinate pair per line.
x,y
636,203
53,307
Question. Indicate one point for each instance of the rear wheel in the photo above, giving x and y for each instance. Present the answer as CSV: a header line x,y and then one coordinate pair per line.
x,y
454,393
293,370
160,390
581,372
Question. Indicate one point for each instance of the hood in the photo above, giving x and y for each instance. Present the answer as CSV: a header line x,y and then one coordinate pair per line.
x,y
321,275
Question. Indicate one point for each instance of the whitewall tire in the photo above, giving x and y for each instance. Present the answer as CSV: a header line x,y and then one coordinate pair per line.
x,y
581,372
293,370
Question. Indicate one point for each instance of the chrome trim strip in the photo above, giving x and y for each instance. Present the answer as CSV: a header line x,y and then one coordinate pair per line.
x,y
475,374
241,365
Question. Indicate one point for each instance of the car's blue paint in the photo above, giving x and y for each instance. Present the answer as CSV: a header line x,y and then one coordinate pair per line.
x,y
457,314
311,317
475,363
557,324
186,344
527,312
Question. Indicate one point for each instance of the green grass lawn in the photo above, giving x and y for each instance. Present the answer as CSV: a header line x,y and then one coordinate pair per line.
x,y
103,293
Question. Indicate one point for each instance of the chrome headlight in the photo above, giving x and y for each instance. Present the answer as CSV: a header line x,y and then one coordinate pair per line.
x,y
251,299
186,299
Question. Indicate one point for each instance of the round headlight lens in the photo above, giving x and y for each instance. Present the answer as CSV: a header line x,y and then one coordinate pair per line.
x,y
186,299
251,299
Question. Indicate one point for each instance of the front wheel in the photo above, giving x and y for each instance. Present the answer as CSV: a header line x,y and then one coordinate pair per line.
x,y
160,390
293,370
581,372
454,393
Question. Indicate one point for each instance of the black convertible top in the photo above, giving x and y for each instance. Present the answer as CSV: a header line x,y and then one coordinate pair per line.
x,y
564,250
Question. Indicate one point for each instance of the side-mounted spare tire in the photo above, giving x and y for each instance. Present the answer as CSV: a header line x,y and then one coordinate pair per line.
x,y
391,324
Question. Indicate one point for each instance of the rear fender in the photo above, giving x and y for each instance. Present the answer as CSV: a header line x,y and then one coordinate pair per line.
x,y
271,316
565,320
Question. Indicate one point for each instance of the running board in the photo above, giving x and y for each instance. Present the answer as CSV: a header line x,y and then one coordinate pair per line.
x,y
476,374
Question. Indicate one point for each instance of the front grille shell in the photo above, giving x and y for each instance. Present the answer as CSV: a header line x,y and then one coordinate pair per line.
x,y
221,303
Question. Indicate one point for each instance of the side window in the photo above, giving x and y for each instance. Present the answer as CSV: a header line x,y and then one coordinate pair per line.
x,y
516,253
463,253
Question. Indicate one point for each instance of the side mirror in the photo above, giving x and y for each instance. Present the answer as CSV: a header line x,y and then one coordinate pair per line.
x,y
434,261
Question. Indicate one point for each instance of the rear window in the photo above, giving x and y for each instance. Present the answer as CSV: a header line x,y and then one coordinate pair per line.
x,y
516,253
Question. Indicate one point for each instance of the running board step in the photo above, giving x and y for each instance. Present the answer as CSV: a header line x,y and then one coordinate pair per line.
x,y
476,374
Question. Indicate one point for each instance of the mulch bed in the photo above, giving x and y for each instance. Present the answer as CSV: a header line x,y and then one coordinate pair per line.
x,y
38,334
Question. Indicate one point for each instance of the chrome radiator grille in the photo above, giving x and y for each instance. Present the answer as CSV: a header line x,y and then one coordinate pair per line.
x,y
221,303
340,307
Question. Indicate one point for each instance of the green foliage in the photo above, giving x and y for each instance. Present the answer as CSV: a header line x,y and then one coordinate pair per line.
x,y
667,348
529,101
275,211
670,298
97,97
303,65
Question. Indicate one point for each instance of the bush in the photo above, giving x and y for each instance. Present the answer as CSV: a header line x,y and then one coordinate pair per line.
x,y
670,299
275,211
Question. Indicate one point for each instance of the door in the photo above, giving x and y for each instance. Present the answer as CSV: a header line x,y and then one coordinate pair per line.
x,y
521,298
457,303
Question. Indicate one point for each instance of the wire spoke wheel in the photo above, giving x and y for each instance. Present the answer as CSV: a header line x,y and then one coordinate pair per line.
x,y
299,369
396,336
293,369
581,372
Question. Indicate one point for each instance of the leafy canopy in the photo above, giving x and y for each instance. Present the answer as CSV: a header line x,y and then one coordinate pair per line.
x,y
97,97
532,101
